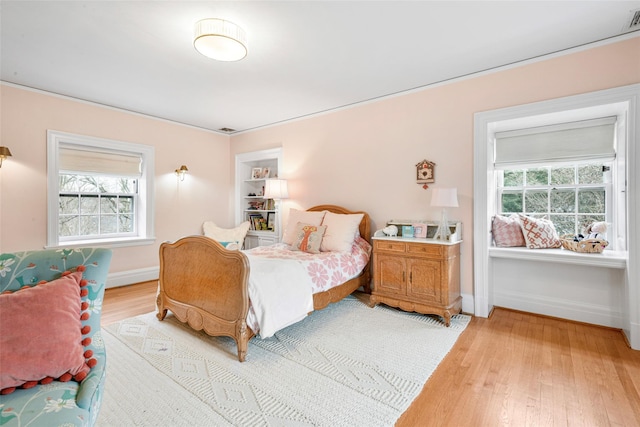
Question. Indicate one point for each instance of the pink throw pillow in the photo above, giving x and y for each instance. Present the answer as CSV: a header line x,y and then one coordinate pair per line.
x,y
308,238
539,233
507,231
296,216
41,333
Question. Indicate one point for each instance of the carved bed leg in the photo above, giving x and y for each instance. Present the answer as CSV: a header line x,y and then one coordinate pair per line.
x,y
162,312
367,288
242,340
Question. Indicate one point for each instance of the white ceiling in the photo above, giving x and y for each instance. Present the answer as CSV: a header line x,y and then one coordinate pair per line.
x,y
304,57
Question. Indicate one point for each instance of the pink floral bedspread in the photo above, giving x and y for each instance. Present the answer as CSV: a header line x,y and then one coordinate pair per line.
x,y
326,269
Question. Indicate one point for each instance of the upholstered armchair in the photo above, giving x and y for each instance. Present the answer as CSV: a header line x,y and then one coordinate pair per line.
x,y
69,398
230,238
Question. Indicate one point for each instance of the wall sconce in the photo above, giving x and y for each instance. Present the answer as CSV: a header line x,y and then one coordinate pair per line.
x,y
4,153
182,172
444,198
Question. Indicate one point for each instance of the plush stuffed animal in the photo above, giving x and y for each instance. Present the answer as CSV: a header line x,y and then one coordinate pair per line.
x,y
596,230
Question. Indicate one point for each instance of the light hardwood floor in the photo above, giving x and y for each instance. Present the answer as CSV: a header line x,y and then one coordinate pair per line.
x,y
514,369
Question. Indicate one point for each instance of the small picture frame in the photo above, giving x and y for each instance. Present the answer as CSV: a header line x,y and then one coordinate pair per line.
x,y
271,221
420,230
407,231
265,172
256,173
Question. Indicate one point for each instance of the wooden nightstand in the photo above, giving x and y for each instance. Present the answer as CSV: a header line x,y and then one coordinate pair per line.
x,y
418,275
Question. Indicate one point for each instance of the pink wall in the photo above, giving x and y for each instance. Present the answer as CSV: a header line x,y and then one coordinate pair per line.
x,y
180,207
364,157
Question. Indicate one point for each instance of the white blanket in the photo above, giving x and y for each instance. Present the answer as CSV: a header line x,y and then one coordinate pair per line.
x,y
280,293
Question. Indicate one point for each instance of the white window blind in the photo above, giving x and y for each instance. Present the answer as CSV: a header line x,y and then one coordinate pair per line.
x,y
574,141
89,161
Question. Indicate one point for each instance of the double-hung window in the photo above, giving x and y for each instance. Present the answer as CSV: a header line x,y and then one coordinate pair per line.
x,y
564,172
100,191
572,196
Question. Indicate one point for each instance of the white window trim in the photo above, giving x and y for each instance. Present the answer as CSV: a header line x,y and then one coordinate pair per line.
x,y
627,100
145,217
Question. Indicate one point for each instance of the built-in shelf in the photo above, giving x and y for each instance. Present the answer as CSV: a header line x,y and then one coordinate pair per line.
x,y
245,185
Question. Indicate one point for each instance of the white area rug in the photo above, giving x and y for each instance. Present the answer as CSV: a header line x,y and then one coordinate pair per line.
x,y
346,365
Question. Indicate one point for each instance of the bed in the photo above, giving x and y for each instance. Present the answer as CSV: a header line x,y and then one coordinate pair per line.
x,y
207,286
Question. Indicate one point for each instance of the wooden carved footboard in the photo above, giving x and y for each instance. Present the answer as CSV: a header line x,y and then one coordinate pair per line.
x,y
206,286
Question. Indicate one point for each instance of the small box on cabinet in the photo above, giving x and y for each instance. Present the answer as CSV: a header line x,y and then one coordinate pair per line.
x,y
407,231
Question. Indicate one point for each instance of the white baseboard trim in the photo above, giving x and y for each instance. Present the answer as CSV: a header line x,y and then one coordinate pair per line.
x,y
124,278
468,305
633,336
565,309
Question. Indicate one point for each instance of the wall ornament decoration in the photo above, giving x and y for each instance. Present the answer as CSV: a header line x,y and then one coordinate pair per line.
x,y
425,173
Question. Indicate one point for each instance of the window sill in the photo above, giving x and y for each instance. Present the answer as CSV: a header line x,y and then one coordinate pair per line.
x,y
104,243
607,259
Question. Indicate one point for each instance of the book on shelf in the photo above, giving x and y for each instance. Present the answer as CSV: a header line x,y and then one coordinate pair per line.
x,y
257,220
270,205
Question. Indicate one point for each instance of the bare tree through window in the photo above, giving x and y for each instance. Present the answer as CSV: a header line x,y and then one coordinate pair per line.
x,y
95,205
572,197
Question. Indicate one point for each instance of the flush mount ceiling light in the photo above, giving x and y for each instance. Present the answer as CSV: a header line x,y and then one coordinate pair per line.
x,y
219,39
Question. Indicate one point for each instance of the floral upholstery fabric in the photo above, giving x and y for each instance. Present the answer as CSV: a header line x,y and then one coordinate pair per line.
x,y
58,403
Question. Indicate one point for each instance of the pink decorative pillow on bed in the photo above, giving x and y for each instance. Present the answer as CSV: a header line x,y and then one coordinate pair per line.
x,y
507,231
308,237
296,216
539,233
41,333
342,230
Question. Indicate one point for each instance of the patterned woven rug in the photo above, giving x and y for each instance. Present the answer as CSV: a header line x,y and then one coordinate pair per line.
x,y
346,365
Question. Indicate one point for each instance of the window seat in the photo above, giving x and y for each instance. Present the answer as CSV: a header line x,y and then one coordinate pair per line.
x,y
607,259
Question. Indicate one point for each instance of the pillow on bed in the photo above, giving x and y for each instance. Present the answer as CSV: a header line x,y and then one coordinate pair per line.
x,y
227,235
342,230
296,216
308,238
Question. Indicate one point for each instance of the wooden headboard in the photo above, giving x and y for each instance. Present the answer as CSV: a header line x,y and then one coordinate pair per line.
x,y
365,224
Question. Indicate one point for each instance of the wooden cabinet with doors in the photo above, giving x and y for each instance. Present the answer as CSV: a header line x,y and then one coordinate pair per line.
x,y
418,275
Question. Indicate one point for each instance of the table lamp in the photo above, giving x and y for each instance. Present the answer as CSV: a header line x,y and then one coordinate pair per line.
x,y
276,189
444,198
